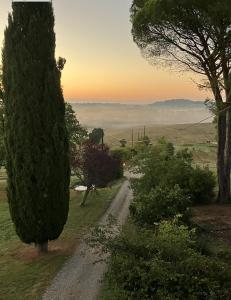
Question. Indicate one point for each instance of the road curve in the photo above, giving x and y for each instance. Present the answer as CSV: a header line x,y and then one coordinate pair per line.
x,y
80,278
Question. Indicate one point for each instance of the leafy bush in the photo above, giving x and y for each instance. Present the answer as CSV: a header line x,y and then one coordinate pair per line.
x,y
160,203
201,185
158,168
163,264
119,168
166,147
124,154
95,165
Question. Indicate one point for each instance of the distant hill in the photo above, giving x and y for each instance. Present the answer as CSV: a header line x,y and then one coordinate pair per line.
x,y
109,104
158,104
178,103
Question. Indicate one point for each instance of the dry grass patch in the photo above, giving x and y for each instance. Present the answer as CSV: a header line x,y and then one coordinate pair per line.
x,y
214,218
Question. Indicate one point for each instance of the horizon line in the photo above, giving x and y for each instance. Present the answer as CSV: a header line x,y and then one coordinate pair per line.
x,y
140,102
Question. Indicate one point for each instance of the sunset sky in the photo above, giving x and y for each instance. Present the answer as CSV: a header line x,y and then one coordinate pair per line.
x,y
103,62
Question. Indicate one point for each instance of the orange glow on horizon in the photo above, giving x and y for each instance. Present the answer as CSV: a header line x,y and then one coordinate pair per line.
x,y
103,62
111,86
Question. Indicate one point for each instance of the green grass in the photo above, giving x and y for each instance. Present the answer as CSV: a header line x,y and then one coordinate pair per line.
x,y
24,275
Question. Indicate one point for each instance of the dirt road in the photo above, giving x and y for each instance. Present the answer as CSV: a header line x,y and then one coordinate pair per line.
x,y
80,278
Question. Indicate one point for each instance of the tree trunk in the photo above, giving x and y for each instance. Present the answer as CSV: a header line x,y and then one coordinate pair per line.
x,y
228,151
223,165
42,248
85,196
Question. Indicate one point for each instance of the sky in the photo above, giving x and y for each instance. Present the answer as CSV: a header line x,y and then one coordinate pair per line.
x,y
103,62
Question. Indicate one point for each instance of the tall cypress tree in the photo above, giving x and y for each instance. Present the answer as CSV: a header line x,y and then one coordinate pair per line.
x,y
36,137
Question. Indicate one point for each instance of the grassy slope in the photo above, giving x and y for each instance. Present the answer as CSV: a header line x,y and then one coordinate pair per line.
x,y
199,138
178,134
24,275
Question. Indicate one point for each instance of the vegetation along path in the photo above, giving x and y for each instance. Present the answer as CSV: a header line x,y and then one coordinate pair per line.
x,y
80,277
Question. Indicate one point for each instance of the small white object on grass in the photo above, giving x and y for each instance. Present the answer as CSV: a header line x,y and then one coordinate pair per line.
x,y
80,188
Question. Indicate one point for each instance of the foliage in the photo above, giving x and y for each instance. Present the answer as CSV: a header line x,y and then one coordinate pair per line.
x,y
76,133
2,143
95,166
119,170
162,264
201,185
185,155
186,32
140,147
61,61
166,147
211,105
159,204
36,137
1,86
123,143
146,140
125,154
96,136
159,167
195,35
143,141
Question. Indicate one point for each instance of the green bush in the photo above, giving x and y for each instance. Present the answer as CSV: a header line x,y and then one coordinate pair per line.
x,y
119,171
159,169
201,185
164,264
160,203
165,147
125,154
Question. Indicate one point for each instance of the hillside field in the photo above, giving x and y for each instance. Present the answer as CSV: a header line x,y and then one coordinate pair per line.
x,y
182,134
199,138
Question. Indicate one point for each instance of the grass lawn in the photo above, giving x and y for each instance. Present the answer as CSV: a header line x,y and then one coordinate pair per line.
x,y
24,275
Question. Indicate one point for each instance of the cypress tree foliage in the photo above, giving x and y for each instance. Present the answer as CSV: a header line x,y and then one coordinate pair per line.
x,y
36,137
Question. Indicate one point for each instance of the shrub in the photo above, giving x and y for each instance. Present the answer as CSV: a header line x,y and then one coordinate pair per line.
x,y
159,169
164,264
160,203
95,165
124,154
201,185
166,147
118,167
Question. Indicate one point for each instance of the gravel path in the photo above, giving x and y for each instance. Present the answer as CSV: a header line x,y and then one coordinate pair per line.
x,y
80,278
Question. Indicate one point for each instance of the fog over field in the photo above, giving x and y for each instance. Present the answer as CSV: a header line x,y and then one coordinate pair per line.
x,y
107,115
